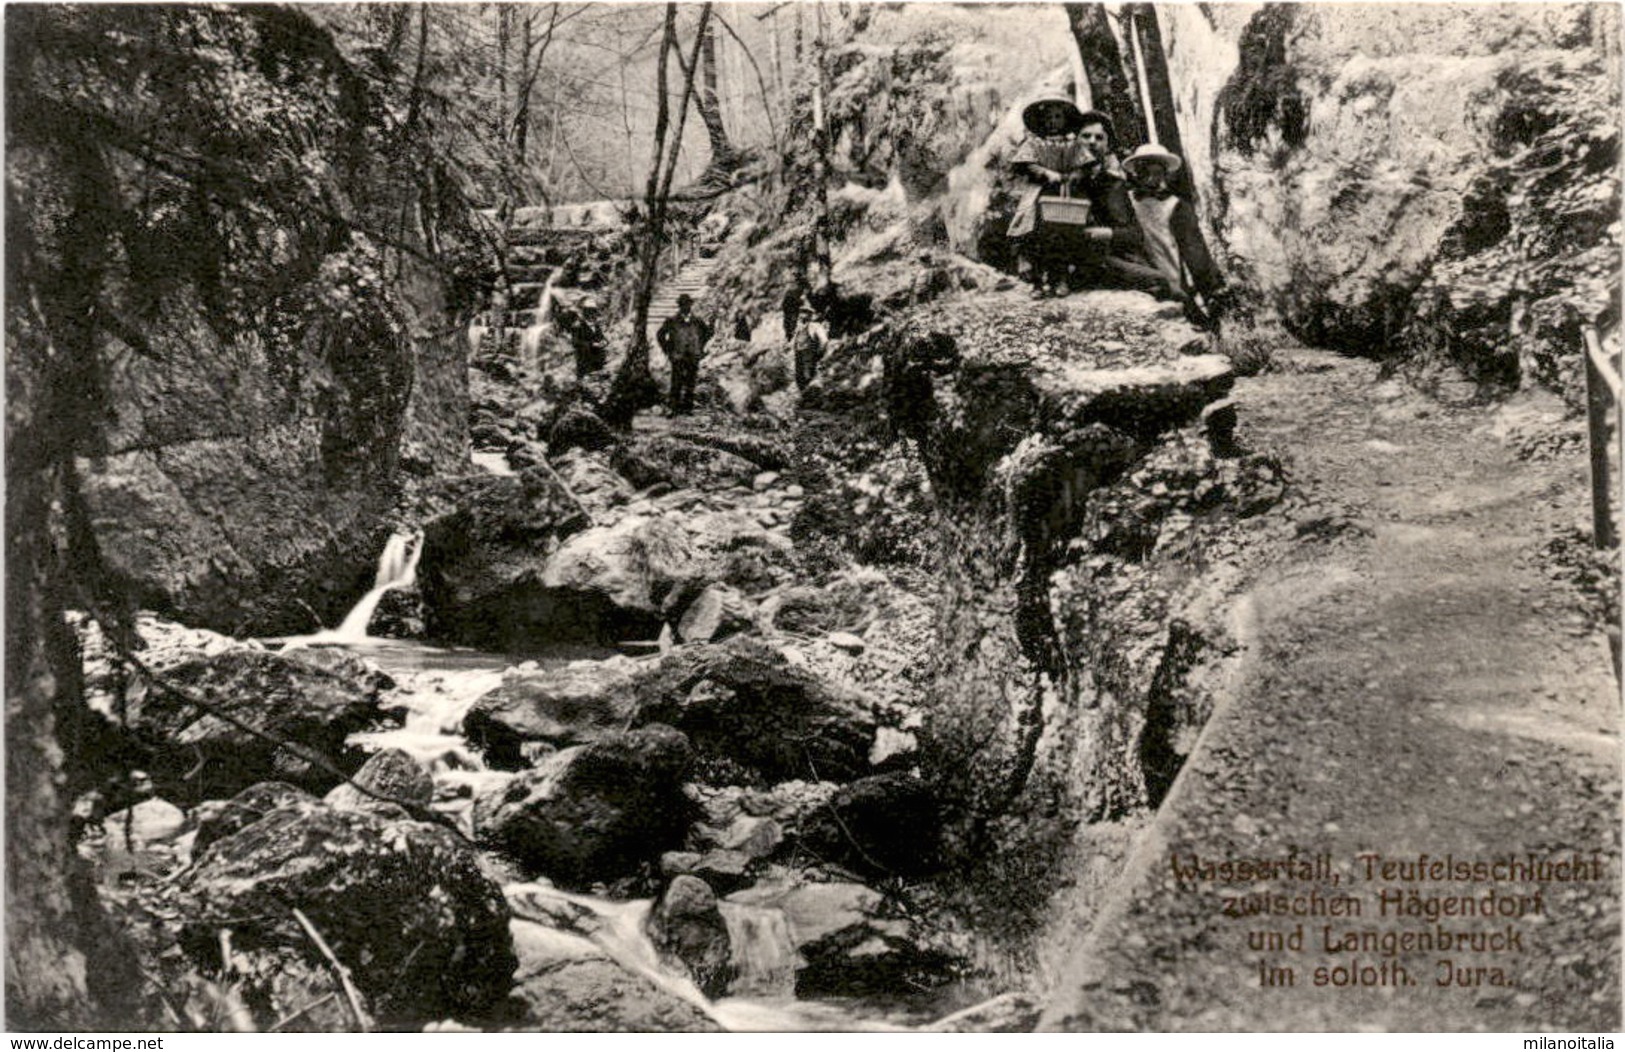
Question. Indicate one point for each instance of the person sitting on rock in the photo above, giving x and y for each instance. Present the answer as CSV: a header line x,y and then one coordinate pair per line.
x,y
682,339
1068,154
1173,241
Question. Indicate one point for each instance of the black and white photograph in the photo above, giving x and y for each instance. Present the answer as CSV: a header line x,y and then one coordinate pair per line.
x,y
812,516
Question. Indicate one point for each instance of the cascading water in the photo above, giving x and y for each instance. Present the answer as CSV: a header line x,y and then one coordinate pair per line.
x,y
436,688
763,954
530,342
530,335
397,568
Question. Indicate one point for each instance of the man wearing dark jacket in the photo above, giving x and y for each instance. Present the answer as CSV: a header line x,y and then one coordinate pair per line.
x,y
682,339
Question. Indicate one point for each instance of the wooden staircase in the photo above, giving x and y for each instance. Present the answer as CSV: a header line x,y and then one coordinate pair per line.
x,y
694,278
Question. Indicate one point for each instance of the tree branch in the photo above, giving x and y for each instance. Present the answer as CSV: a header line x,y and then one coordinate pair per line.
x,y
343,973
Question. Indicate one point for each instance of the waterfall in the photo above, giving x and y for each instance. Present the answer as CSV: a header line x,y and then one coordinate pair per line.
x,y
763,953
530,341
619,928
762,950
530,336
397,568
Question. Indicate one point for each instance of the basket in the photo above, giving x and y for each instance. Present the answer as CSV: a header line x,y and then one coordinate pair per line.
x,y
1066,211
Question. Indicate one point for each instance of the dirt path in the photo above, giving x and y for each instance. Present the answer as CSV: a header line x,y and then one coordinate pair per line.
x,y
1416,681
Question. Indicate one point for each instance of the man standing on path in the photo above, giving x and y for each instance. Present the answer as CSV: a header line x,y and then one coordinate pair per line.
x,y
682,339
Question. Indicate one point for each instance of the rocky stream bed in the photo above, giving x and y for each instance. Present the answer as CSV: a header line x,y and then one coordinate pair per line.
x,y
679,765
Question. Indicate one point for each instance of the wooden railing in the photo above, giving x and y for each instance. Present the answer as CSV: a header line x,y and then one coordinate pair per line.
x,y
1602,417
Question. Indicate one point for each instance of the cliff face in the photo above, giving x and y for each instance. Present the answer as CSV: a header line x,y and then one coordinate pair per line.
x,y
1437,183
1086,499
271,357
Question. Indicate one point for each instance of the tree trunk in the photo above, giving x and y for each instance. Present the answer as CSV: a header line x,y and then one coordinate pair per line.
x,y
778,61
821,223
633,387
1163,116
722,151
65,968
626,127
1107,72
521,111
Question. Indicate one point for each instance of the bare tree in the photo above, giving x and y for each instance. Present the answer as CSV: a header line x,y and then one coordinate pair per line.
x,y
633,386
724,158
821,145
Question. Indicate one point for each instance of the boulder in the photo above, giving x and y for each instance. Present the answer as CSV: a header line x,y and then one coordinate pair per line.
x,y
850,942
313,699
402,904
686,925
577,427
486,538
886,825
716,612
753,836
608,583
647,459
738,550
218,819
392,773
765,450
743,702
593,812
593,994
572,705
724,870
592,480
844,606
154,821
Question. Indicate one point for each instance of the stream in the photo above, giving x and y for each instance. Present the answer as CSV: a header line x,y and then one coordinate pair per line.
x,y
435,688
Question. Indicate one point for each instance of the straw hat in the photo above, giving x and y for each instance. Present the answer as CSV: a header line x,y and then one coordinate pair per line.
x,y
1049,111
1152,152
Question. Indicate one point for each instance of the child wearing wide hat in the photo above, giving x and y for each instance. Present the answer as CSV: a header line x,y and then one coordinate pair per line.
x,y
1173,240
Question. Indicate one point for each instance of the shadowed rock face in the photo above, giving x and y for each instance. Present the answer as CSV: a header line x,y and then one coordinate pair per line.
x,y
401,903
594,812
1428,182
1067,458
266,377
742,701
687,925
311,699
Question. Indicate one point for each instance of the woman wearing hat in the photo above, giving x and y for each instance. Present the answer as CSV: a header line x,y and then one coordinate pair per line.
x,y
1068,153
1173,241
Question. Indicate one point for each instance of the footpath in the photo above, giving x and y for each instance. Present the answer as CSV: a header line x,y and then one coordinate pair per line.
x,y
1426,679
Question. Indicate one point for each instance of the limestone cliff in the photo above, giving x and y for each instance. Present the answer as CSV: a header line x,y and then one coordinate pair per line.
x,y
272,347
1436,183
